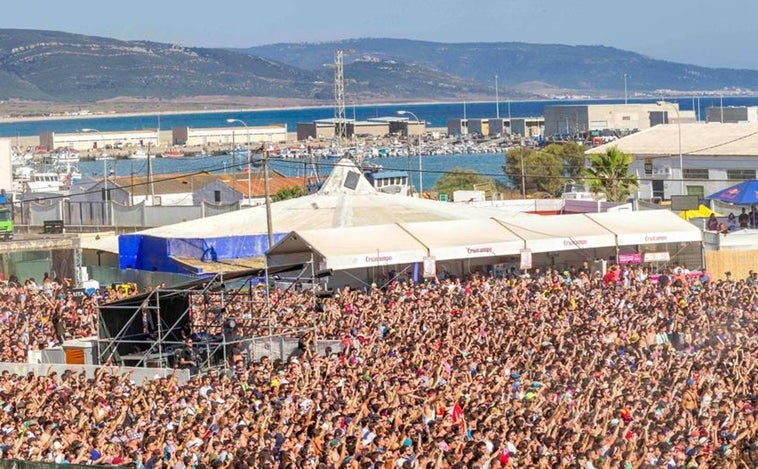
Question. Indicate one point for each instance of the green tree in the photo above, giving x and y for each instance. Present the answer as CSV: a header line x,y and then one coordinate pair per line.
x,y
609,173
288,193
542,171
460,179
571,155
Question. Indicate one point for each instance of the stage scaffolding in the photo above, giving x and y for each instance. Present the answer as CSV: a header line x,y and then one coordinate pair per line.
x,y
227,314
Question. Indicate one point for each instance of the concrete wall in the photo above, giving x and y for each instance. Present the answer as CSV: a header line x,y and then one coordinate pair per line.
x,y
376,129
479,126
88,140
457,127
569,119
732,114
227,135
499,126
306,130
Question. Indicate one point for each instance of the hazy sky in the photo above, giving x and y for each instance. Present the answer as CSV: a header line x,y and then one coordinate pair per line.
x,y
709,33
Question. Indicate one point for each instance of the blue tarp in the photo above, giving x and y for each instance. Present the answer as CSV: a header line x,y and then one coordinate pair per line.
x,y
152,253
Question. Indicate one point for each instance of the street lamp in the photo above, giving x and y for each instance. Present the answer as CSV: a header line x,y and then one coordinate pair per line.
x,y
105,172
247,131
679,134
420,171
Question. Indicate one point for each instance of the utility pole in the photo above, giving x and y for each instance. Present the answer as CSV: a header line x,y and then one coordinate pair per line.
x,y
625,77
150,176
497,100
266,189
340,128
234,154
523,174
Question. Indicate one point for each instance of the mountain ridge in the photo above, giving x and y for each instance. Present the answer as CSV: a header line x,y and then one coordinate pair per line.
x,y
68,69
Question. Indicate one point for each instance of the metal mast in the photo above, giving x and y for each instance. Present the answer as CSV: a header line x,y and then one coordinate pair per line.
x,y
340,126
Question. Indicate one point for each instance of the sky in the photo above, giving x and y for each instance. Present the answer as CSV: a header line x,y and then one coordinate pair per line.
x,y
708,33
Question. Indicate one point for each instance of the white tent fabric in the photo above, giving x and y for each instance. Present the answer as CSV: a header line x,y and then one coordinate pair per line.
x,y
347,248
465,238
351,248
335,205
561,233
648,227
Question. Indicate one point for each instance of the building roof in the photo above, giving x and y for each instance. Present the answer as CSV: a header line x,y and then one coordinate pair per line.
x,y
189,183
166,183
698,139
345,199
257,184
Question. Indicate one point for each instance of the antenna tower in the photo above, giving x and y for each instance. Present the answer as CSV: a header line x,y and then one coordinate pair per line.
x,y
340,128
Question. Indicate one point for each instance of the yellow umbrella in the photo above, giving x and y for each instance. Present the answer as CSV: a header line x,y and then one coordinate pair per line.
x,y
701,212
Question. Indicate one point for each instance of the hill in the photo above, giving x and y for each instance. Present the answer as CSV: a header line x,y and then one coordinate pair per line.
x,y
61,67
580,68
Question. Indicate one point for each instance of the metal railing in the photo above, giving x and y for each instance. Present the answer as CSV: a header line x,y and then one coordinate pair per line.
x,y
138,374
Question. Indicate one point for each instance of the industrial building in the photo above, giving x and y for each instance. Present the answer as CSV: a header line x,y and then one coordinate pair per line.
x,y
326,128
578,119
402,125
315,130
93,139
713,157
499,126
529,127
732,114
479,127
229,135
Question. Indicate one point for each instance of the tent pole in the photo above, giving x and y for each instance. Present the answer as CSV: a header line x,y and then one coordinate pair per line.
x,y
313,291
160,320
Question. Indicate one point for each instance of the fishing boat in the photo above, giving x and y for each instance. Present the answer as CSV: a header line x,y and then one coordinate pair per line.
x,y
63,156
43,182
138,154
173,153
241,152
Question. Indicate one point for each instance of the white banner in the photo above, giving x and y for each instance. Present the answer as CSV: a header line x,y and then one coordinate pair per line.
x,y
526,259
657,257
430,267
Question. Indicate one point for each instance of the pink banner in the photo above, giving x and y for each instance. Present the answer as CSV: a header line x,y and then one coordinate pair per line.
x,y
631,258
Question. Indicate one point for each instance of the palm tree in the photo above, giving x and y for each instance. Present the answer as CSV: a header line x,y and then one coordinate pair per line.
x,y
609,173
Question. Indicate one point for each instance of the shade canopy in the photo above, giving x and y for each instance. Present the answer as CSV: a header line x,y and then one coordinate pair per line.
x,y
743,193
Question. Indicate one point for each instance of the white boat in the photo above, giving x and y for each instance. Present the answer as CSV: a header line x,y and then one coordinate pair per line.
x,y
104,157
63,156
44,182
242,152
19,158
138,154
23,173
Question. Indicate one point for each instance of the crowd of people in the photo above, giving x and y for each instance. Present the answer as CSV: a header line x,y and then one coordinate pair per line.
x,y
555,369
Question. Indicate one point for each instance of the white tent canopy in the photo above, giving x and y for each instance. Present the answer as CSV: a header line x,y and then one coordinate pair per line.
x,y
561,233
649,227
403,243
351,248
465,238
